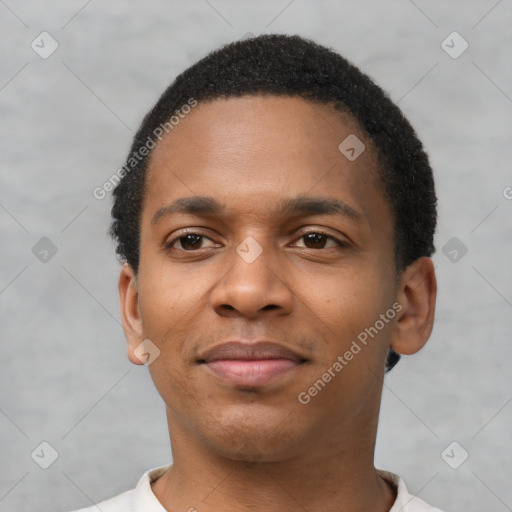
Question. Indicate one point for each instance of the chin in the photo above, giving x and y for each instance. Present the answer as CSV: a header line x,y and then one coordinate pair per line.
x,y
256,433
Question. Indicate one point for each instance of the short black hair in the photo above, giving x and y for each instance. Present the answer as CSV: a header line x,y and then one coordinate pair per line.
x,y
286,65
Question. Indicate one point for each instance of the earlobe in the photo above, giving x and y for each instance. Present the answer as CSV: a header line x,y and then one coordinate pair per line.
x,y
417,296
130,311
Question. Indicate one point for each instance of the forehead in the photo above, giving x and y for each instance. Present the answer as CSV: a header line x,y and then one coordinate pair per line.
x,y
252,151
284,125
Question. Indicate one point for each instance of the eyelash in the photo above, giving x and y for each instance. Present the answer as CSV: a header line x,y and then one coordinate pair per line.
x,y
184,233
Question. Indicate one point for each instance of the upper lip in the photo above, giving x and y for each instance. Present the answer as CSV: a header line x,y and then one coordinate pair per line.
x,y
249,351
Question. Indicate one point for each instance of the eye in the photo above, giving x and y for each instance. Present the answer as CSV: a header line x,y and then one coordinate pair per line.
x,y
189,241
318,240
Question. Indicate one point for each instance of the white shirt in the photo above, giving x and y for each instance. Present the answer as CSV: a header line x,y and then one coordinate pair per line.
x,y
142,499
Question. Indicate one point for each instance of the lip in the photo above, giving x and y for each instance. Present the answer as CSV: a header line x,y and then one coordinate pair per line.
x,y
250,363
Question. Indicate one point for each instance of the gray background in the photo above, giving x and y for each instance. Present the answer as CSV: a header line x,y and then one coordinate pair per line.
x,y
67,122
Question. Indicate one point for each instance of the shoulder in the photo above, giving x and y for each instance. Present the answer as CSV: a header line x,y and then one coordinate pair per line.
x,y
140,499
406,502
121,503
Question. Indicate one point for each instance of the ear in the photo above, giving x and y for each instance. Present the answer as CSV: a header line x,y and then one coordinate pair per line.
x,y
417,295
130,312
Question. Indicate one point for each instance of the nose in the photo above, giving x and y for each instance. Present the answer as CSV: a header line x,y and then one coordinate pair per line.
x,y
252,287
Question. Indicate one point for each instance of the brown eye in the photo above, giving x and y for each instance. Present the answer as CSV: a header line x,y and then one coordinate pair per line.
x,y
189,242
318,240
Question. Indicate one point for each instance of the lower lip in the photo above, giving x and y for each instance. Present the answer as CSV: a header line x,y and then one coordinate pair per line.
x,y
250,372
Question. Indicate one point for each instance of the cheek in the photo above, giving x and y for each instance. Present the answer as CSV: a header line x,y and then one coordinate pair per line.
x,y
165,296
348,307
351,298
173,307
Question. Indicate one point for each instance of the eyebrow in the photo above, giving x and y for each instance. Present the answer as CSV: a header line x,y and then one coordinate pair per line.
x,y
300,205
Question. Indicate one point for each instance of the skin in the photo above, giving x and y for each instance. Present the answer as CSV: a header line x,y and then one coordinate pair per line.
x,y
260,448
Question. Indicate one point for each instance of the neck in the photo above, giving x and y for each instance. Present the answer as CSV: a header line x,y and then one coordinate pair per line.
x,y
333,473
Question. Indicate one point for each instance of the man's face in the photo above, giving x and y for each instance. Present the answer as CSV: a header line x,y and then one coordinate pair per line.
x,y
308,280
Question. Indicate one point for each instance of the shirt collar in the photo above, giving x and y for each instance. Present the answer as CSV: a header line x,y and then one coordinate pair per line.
x,y
144,500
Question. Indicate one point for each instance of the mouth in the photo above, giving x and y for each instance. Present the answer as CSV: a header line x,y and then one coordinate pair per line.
x,y
250,364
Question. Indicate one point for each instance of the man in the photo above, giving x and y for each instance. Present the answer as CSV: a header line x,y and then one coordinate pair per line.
x,y
275,218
